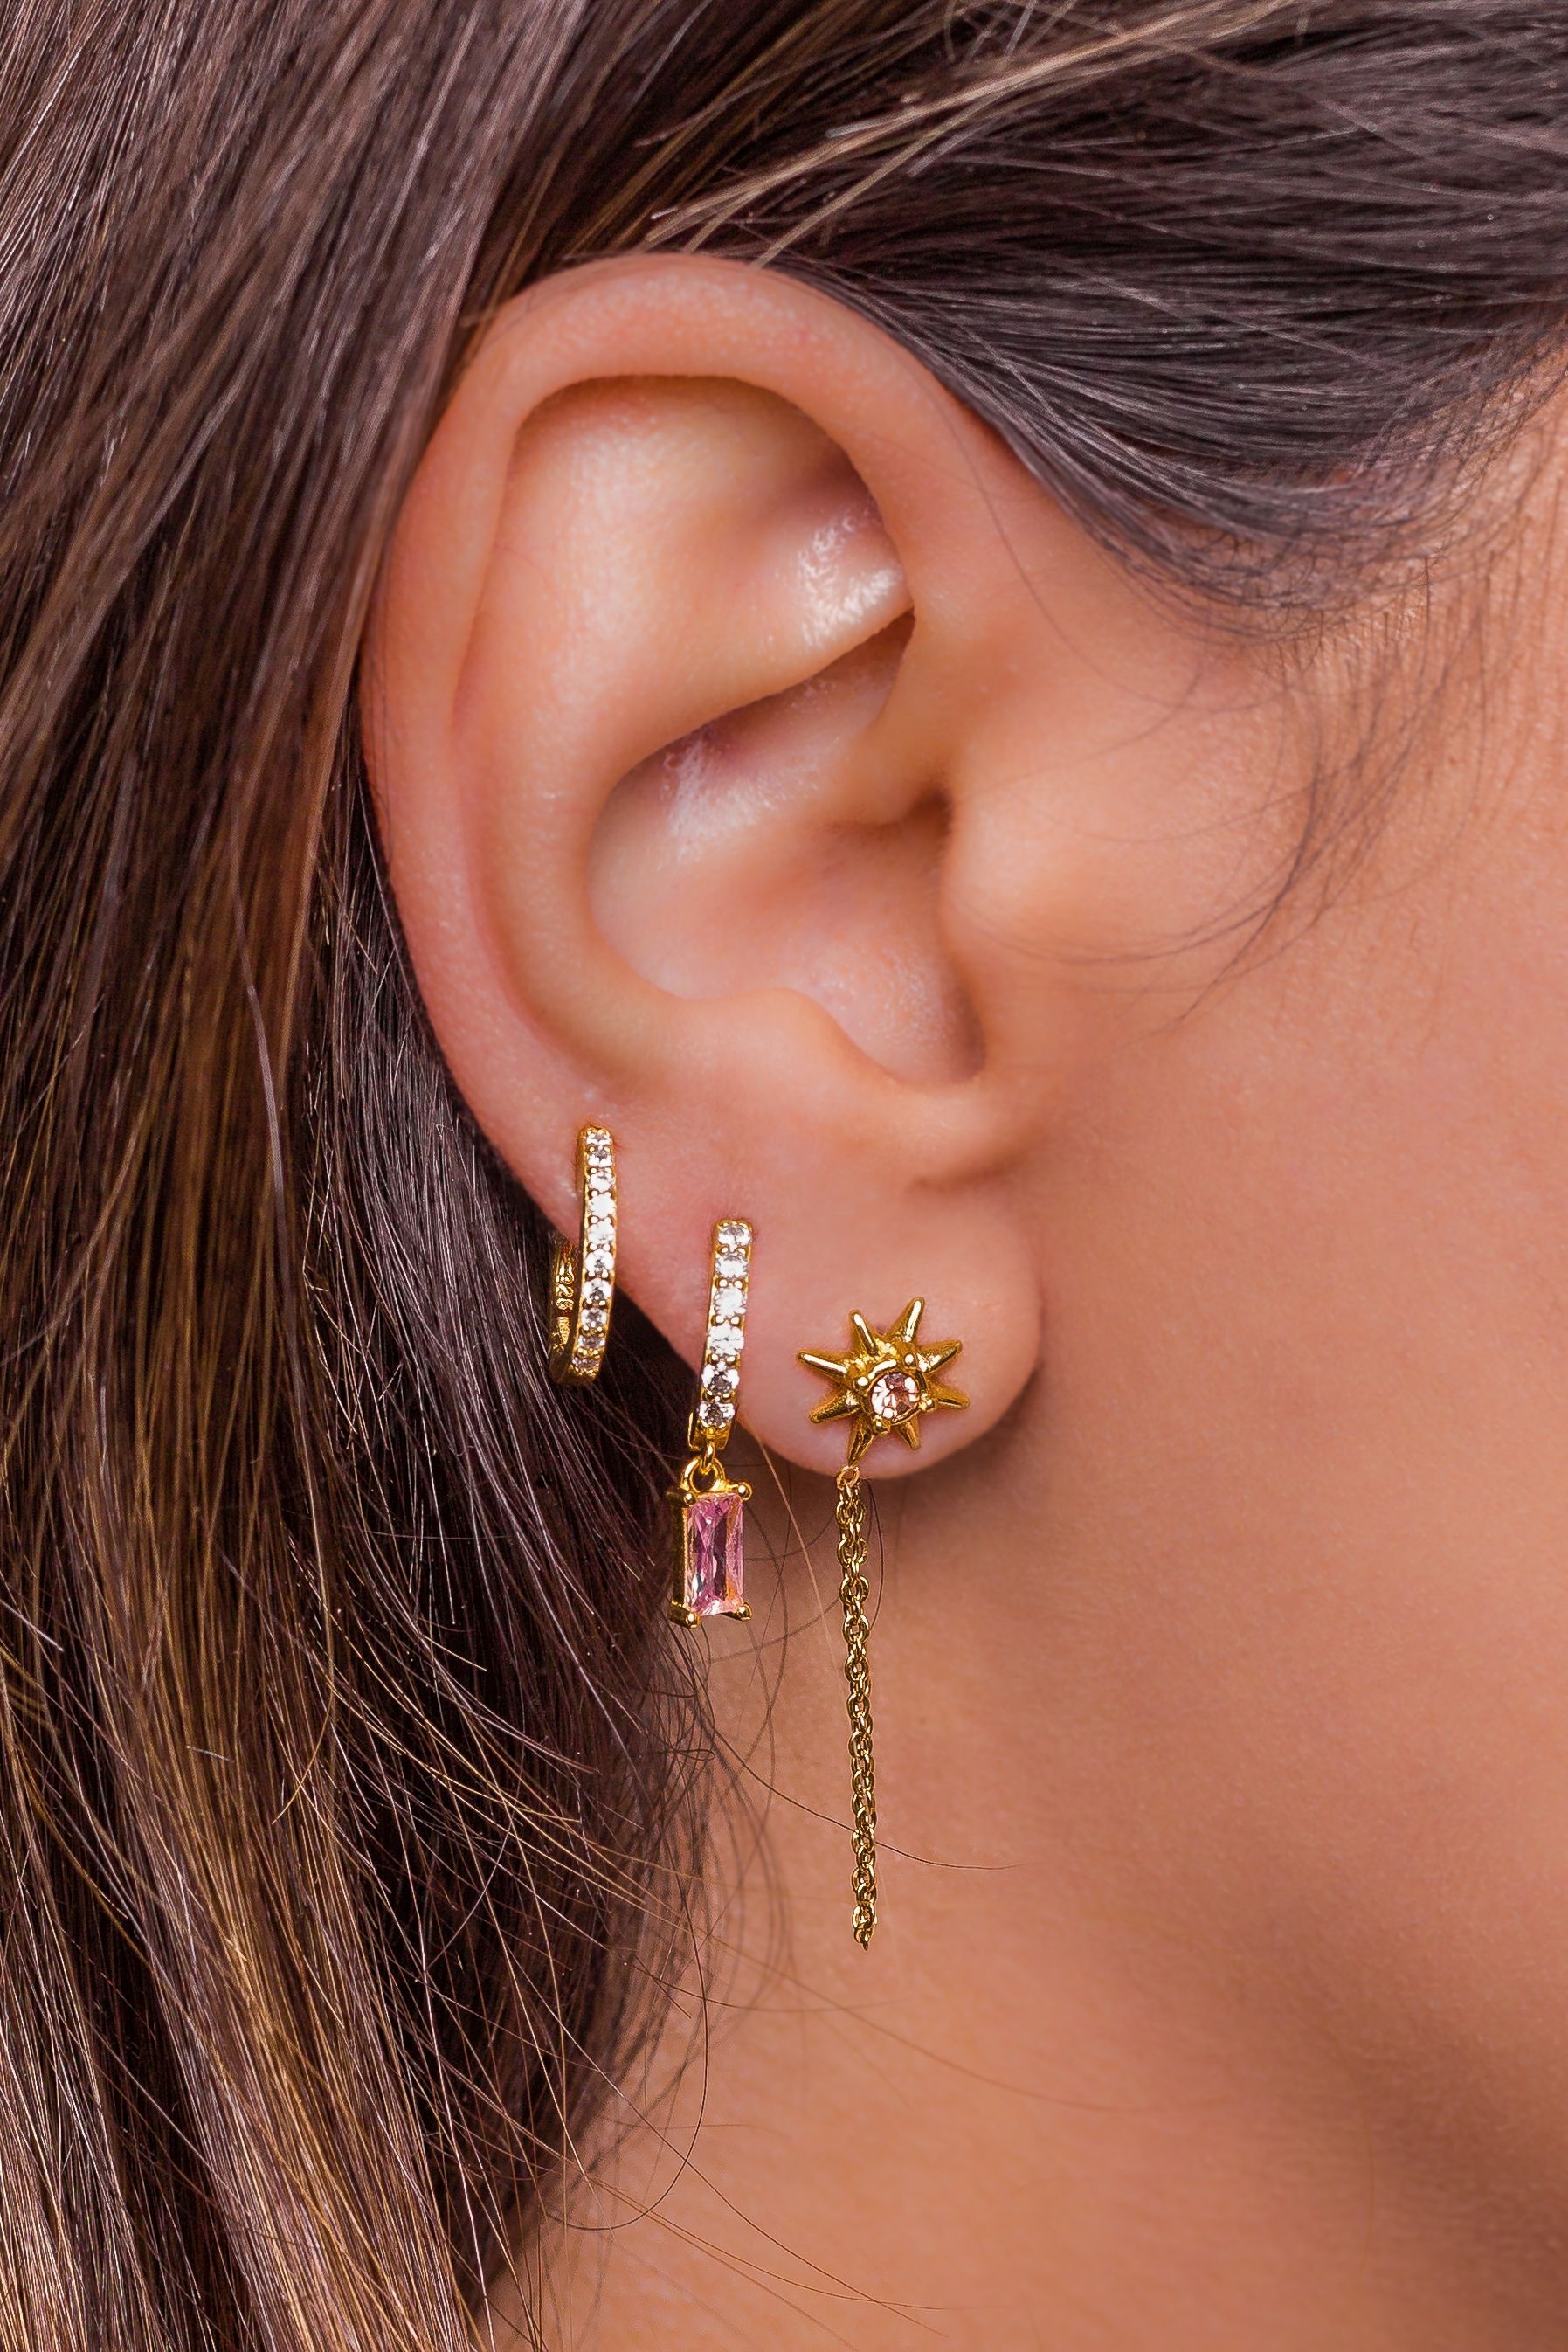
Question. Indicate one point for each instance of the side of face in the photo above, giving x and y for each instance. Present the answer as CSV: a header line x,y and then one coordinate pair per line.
x,y
769,769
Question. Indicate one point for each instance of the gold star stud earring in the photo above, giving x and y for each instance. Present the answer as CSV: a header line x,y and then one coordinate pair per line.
x,y
885,1386
884,1383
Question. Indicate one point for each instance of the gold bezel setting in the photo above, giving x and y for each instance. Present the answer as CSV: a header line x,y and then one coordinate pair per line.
x,y
700,1482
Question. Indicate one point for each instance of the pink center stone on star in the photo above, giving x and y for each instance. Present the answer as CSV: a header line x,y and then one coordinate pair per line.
x,y
894,1395
713,1555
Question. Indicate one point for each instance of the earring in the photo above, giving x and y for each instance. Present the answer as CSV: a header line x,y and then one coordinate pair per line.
x,y
710,1560
582,1278
883,1386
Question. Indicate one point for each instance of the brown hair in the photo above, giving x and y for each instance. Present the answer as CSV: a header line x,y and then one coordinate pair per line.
x,y
348,1785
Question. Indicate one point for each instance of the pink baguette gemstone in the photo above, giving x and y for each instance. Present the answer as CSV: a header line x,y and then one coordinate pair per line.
x,y
714,1554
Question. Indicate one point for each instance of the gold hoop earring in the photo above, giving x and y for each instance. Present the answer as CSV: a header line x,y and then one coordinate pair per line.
x,y
710,1508
883,1387
582,1278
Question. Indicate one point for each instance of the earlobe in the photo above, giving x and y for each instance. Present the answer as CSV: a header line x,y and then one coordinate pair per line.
x,y
675,704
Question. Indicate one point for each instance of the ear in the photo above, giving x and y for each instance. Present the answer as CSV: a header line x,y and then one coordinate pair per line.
x,y
710,706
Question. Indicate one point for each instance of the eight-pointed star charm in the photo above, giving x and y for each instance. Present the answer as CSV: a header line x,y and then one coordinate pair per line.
x,y
884,1383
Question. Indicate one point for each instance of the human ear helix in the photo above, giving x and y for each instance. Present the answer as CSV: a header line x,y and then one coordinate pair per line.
x,y
709,1507
883,1387
582,1276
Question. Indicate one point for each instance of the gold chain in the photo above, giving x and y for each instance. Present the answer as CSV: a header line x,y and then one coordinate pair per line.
x,y
852,1513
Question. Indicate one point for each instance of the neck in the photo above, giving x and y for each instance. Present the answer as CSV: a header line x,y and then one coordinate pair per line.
x,y
1083,2087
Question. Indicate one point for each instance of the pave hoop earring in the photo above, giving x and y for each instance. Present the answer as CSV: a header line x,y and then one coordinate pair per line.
x,y
709,1508
883,1387
582,1276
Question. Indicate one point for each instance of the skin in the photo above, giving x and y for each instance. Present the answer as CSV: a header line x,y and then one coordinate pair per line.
x,y
1221,1993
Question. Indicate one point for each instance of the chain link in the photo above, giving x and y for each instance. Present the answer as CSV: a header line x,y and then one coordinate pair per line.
x,y
855,1592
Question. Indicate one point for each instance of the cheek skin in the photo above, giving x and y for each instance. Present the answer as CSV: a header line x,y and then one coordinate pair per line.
x,y
1309,1364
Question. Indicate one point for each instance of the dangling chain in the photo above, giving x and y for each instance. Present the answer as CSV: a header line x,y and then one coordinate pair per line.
x,y
851,1515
